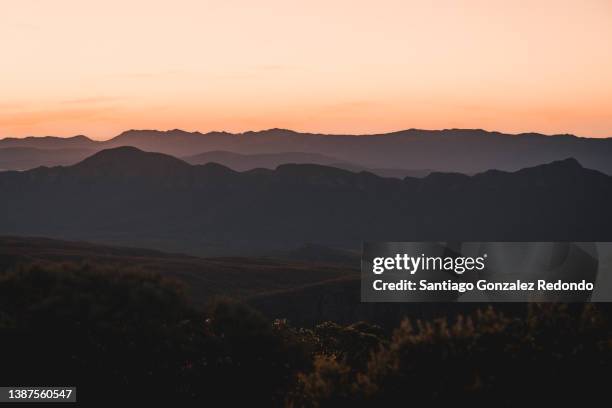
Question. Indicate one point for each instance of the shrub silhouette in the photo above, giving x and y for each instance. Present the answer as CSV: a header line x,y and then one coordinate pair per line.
x,y
135,336
126,335
350,344
259,359
482,360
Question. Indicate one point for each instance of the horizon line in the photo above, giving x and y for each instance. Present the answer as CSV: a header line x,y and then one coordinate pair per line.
x,y
301,132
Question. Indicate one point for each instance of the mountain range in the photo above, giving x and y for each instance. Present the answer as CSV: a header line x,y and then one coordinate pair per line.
x,y
126,196
452,150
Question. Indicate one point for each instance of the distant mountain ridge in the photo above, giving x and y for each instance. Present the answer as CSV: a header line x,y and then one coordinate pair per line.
x,y
24,158
456,150
49,142
126,196
245,162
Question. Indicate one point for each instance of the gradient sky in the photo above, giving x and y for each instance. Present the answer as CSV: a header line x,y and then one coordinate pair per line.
x,y
100,67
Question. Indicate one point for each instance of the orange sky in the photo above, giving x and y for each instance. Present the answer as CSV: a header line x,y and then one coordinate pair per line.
x,y
100,67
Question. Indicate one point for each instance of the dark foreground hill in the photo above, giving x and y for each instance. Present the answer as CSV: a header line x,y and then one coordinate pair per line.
x,y
126,196
102,329
458,150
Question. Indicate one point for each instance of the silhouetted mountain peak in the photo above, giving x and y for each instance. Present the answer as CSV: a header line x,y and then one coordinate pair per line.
x,y
128,160
560,167
116,153
278,130
271,132
569,163
49,142
138,134
557,172
81,138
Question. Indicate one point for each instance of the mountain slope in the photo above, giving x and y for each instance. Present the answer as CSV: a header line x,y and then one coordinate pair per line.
x,y
126,196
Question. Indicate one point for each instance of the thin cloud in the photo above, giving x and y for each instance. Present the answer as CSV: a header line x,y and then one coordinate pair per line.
x,y
138,75
38,117
352,106
90,100
275,67
255,72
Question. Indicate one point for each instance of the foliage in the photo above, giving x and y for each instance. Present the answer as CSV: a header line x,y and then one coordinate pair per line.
x,y
481,360
137,335
134,333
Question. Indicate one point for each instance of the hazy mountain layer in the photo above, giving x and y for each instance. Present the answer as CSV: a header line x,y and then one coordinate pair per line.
x,y
459,150
24,158
244,162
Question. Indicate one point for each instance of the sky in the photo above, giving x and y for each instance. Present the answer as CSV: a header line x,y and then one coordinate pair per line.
x,y
98,68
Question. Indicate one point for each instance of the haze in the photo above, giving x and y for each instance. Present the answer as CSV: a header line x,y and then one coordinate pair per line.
x,y
100,67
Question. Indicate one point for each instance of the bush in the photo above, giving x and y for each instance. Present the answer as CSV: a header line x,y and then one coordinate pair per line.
x,y
482,360
350,344
331,383
104,329
259,360
125,335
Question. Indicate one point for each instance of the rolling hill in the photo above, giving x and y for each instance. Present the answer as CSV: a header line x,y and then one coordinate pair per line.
x,y
306,291
203,278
